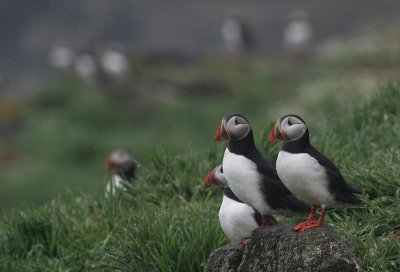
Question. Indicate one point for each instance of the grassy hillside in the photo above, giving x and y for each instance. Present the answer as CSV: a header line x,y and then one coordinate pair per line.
x,y
168,222
68,129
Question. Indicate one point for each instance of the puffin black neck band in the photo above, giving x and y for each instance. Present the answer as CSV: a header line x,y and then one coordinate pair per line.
x,y
243,145
299,145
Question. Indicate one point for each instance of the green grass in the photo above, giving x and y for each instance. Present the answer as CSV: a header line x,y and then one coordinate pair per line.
x,y
167,221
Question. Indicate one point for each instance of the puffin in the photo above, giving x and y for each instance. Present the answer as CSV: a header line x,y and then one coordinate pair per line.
x,y
122,164
86,67
298,35
250,177
235,33
307,173
236,218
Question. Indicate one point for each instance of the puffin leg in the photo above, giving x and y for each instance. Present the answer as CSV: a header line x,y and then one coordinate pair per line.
x,y
310,219
265,221
318,224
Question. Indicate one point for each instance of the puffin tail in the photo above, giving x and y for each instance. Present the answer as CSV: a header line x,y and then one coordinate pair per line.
x,y
293,204
350,188
347,196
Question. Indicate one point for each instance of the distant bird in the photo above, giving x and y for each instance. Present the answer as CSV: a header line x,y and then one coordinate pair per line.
x,y
306,172
123,165
114,63
85,65
61,57
236,218
115,71
298,35
235,34
251,178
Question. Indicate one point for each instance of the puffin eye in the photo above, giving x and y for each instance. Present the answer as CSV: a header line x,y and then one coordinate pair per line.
x,y
236,121
289,122
222,170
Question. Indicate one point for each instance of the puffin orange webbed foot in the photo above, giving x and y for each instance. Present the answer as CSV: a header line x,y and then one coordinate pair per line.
x,y
300,226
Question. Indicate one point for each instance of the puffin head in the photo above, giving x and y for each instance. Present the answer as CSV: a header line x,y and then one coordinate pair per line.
x,y
119,159
233,127
288,128
215,177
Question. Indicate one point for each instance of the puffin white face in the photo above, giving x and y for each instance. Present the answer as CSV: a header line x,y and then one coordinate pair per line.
x,y
219,176
288,128
118,158
121,156
237,127
215,177
232,127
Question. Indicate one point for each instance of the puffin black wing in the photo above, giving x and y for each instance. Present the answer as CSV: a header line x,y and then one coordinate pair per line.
x,y
276,194
128,172
228,192
258,217
341,190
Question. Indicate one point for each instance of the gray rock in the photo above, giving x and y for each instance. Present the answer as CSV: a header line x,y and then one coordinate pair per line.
x,y
227,258
278,248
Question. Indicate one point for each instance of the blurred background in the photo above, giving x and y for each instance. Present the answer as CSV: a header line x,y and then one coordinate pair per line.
x,y
80,78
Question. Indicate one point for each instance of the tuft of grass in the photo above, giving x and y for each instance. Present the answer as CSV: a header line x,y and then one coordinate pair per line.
x,y
172,238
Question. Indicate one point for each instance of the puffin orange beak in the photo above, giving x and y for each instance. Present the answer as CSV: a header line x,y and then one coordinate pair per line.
x,y
221,133
218,136
277,135
108,165
272,138
210,181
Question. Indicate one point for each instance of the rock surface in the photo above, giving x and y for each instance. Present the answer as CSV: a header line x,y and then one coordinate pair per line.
x,y
279,249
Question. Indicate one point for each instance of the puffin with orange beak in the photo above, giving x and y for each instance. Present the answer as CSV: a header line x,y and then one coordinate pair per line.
x,y
236,218
250,177
306,172
121,163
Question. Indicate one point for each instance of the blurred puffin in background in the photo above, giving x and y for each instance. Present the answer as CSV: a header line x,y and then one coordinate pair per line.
x,y
122,164
236,218
235,33
306,172
298,35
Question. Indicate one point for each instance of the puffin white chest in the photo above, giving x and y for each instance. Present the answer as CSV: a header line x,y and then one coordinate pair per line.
x,y
236,219
304,177
244,180
114,185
